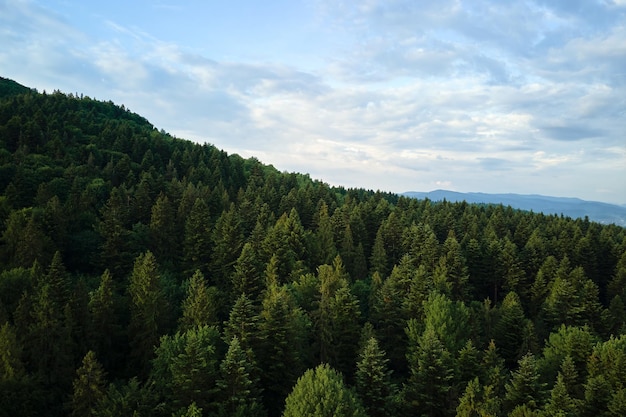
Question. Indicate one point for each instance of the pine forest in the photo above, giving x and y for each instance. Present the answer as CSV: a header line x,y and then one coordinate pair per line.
x,y
146,275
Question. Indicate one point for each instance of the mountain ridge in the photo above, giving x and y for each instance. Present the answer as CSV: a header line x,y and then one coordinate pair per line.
x,y
574,207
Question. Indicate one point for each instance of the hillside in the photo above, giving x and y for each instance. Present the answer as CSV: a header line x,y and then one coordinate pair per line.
x,y
571,207
142,274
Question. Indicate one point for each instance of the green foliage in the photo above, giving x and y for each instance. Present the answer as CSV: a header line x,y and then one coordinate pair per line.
x,y
321,392
524,388
239,390
185,368
89,386
148,309
199,306
106,220
373,380
427,390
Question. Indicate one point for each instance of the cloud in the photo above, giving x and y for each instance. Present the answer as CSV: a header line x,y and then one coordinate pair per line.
x,y
410,95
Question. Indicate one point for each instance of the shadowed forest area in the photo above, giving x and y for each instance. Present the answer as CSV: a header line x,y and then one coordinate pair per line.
x,y
146,275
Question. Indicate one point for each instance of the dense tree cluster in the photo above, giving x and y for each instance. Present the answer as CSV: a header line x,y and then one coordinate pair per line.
x,y
144,275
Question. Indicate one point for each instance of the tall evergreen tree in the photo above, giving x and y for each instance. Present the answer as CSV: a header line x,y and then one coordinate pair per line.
x,y
427,391
197,240
199,305
373,380
148,310
104,326
89,387
239,392
524,388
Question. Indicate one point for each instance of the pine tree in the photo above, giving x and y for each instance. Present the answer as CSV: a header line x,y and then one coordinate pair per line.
x,y
148,310
11,366
508,327
186,368
427,391
103,329
227,241
373,380
321,392
560,404
199,305
164,240
338,316
324,237
243,323
238,388
113,227
89,386
197,240
524,387
280,351
248,273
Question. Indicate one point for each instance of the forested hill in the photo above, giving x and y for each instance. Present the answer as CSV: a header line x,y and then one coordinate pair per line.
x,y
145,275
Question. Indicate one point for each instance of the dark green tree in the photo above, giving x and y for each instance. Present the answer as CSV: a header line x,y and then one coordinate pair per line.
x,y
164,239
524,388
431,367
199,305
239,391
104,327
197,239
373,380
89,387
148,310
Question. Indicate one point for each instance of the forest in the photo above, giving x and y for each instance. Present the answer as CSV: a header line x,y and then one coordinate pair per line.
x,y
146,275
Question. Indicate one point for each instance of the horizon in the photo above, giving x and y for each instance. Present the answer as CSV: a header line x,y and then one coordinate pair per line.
x,y
524,98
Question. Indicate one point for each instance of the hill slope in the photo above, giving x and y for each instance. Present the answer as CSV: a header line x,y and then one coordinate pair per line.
x,y
141,274
572,207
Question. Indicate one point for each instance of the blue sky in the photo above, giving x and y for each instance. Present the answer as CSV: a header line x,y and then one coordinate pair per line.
x,y
399,95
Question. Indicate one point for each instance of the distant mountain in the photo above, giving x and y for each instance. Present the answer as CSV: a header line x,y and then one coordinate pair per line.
x,y
572,207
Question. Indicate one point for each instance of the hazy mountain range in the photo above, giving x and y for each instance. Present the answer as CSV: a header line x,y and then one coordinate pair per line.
x,y
571,207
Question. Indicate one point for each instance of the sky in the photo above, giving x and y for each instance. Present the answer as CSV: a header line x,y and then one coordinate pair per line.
x,y
490,96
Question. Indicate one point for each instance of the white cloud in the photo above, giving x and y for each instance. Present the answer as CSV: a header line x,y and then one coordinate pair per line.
x,y
414,95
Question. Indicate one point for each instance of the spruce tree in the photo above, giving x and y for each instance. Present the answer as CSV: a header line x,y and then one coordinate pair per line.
x,y
373,380
238,390
427,391
199,305
148,310
89,386
524,387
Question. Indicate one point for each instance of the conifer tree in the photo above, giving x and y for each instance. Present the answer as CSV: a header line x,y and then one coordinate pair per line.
x,y
280,351
560,404
114,230
508,328
243,323
378,259
373,380
199,305
248,273
227,241
197,240
524,388
148,310
238,388
321,392
11,366
165,242
427,391
324,237
89,386
103,320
